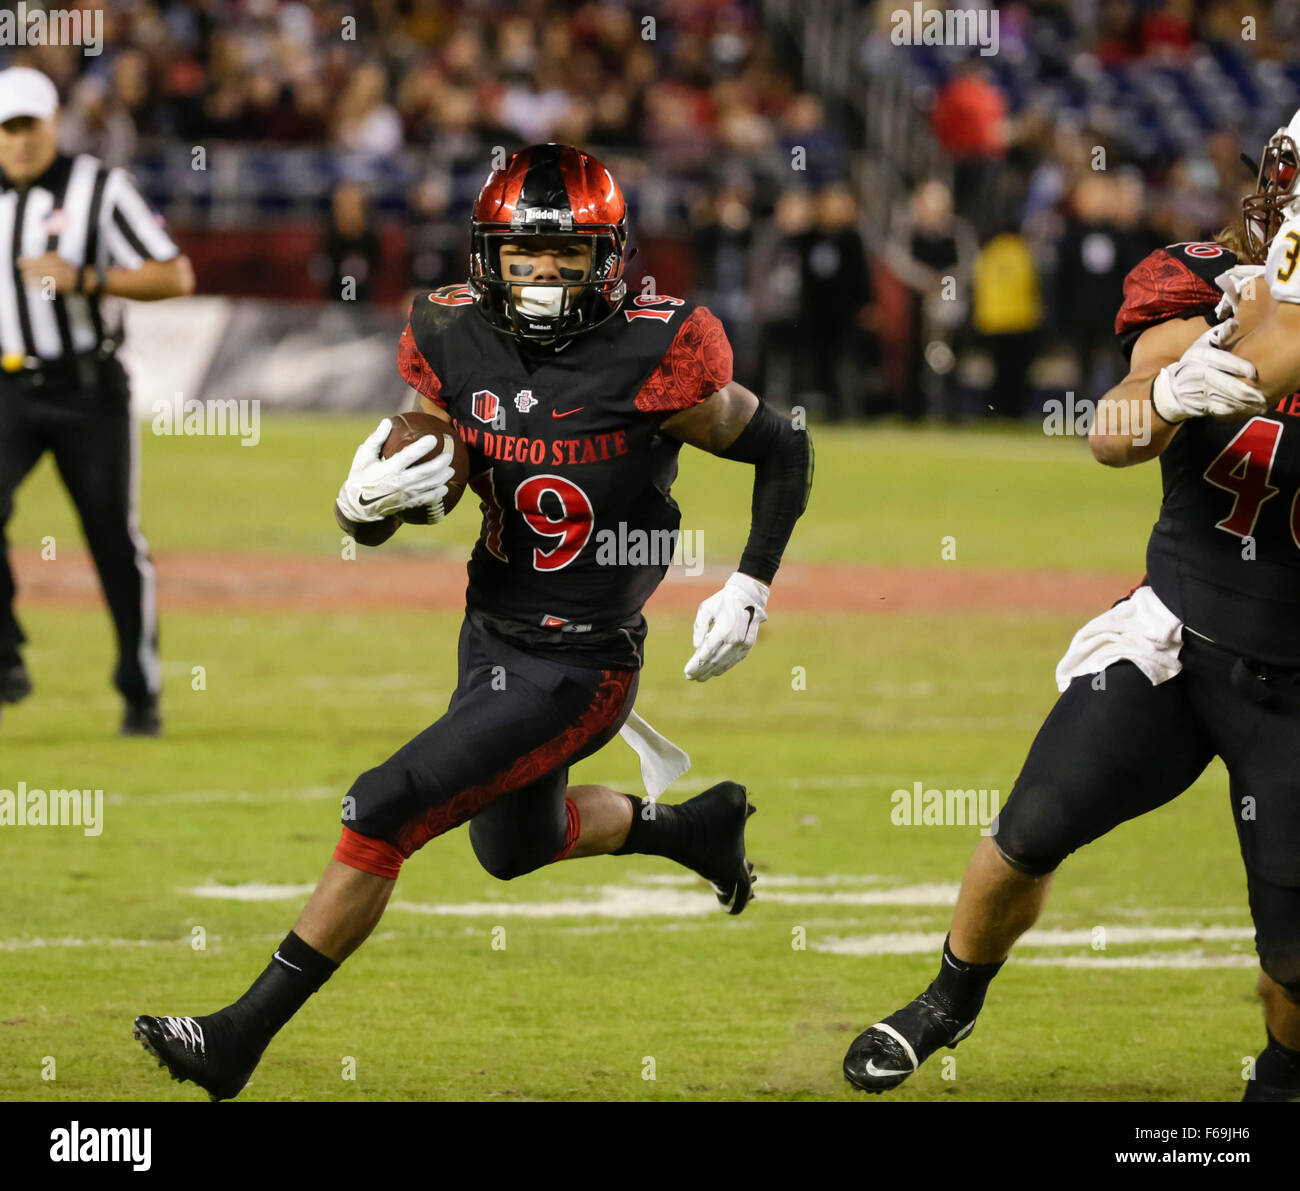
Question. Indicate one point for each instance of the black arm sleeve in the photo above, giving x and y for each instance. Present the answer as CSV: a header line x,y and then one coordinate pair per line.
x,y
369,533
782,455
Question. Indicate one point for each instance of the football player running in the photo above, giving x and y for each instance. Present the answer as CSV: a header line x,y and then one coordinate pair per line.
x,y
1201,660
573,405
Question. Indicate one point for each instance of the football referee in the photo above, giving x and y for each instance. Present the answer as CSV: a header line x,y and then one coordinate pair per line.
x,y
75,237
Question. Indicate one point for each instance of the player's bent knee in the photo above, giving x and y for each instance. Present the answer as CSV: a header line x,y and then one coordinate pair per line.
x,y
1028,836
506,866
507,859
1281,964
1024,863
380,803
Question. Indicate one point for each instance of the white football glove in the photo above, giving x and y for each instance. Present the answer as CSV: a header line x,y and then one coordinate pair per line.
x,y
1236,283
377,487
726,626
1208,381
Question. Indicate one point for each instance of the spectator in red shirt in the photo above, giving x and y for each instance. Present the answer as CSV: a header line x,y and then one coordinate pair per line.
x,y
970,121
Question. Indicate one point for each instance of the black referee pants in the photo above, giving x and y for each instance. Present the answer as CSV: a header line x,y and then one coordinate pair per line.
x,y
91,433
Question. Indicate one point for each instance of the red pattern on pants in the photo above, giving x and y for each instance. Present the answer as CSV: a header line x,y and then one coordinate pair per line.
x,y
384,859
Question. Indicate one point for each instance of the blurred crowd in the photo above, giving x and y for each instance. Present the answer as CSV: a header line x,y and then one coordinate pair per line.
x,y
695,77
952,292
1072,160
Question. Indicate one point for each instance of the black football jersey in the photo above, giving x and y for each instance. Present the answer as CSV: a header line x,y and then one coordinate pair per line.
x,y
1224,556
567,459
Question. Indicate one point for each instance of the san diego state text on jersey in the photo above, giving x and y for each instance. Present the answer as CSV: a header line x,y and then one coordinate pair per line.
x,y
1225,554
565,449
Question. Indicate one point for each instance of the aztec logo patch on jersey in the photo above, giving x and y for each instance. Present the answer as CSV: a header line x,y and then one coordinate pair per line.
x,y
485,405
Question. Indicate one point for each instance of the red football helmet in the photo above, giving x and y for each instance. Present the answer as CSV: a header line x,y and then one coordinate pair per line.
x,y
549,191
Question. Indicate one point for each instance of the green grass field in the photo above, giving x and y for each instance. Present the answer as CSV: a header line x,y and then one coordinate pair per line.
x,y
611,962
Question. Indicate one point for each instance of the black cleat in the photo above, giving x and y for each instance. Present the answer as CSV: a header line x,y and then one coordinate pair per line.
x,y
15,683
717,848
885,1054
142,719
182,1046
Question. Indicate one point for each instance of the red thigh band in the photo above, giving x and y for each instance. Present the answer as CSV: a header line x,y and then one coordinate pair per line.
x,y
369,855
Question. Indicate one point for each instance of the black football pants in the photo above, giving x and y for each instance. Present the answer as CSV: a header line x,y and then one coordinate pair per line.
x,y
1107,755
498,758
93,439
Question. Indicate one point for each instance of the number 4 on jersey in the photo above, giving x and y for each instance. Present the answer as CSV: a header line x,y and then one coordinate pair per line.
x,y
1243,468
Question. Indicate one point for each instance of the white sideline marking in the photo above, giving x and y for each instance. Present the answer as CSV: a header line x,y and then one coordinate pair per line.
x,y
1171,959
615,902
902,895
186,797
610,901
669,897
767,881
250,891
919,943
37,944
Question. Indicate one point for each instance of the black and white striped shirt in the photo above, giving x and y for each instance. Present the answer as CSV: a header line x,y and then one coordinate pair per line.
x,y
90,215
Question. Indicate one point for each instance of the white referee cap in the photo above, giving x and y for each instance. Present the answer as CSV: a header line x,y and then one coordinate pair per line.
x,y
26,92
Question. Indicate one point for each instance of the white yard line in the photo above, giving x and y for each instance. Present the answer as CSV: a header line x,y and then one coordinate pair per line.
x,y
39,944
606,901
768,880
1168,959
187,797
250,891
920,943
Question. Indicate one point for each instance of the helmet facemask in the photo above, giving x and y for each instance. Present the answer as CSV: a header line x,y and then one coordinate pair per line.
x,y
1264,211
554,309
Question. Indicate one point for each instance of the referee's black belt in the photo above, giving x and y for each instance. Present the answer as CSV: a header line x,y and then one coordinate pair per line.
x,y
76,371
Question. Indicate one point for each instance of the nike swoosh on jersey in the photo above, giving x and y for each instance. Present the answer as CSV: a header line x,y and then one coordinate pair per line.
x,y
555,413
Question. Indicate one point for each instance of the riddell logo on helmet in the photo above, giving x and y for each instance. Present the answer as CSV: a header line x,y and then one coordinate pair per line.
x,y
556,215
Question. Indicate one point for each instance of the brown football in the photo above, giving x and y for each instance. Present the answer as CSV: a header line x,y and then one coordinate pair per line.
x,y
409,427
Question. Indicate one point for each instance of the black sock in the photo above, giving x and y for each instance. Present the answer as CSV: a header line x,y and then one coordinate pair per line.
x,y
960,986
657,830
294,973
1278,1066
